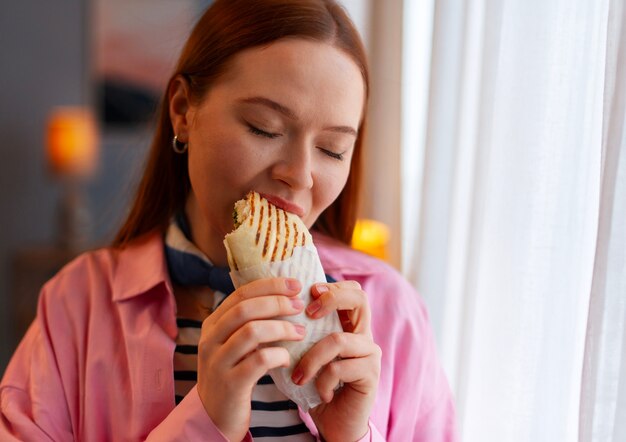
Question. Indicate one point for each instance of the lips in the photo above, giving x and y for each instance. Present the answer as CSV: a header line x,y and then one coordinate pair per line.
x,y
281,203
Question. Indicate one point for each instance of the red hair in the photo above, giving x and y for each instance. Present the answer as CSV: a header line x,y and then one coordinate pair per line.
x,y
225,29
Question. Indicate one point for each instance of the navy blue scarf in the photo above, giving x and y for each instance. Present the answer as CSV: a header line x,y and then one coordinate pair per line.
x,y
187,265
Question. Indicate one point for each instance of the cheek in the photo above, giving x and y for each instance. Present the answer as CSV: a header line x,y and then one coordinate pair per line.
x,y
336,180
213,174
221,159
222,168
330,182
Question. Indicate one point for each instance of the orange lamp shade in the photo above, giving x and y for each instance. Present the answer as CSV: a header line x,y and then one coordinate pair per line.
x,y
371,237
72,142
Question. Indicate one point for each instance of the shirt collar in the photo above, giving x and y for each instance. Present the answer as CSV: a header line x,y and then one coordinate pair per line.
x,y
140,267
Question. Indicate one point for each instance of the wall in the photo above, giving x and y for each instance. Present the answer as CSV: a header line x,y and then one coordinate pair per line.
x,y
44,47
382,186
42,52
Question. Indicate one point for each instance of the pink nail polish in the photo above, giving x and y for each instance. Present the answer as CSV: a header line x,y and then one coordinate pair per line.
x,y
322,289
292,284
297,303
313,307
296,376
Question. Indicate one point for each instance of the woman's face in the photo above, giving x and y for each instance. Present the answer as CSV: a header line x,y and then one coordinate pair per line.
x,y
282,121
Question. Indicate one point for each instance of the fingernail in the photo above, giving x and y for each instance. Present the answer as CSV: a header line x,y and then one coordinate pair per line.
x,y
300,329
292,284
313,307
297,375
297,303
322,289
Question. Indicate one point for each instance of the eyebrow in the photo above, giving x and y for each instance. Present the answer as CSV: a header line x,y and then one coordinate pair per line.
x,y
272,105
291,114
342,129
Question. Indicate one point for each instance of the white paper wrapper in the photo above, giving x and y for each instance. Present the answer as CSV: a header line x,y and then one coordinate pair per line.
x,y
305,266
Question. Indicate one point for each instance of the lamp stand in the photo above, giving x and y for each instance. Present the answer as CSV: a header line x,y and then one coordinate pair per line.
x,y
74,217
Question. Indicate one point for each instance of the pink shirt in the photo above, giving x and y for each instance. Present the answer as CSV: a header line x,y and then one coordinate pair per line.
x,y
97,362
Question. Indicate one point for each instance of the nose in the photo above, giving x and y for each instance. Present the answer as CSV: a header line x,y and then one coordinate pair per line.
x,y
294,168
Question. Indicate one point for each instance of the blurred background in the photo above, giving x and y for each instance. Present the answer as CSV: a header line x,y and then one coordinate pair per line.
x,y
495,180
49,71
79,86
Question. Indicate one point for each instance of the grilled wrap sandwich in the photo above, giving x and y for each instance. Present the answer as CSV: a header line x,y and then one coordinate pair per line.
x,y
263,233
269,242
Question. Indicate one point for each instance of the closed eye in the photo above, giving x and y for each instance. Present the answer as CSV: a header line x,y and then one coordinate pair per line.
x,y
261,133
330,153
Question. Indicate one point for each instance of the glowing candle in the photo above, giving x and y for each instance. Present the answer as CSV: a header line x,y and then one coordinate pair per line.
x,y
371,237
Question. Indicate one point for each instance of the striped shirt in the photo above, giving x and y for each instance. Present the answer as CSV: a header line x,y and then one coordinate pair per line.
x,y
274,416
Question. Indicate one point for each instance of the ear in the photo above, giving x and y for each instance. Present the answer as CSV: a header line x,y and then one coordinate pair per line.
x,y
181,109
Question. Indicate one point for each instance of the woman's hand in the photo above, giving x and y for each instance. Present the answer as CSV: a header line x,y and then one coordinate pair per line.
x,y
344,415
231,354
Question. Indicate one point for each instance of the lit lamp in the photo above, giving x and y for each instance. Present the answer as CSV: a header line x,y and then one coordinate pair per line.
x,y
72,156
371,237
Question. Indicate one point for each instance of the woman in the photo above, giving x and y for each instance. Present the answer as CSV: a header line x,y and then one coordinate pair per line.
x,y
268,96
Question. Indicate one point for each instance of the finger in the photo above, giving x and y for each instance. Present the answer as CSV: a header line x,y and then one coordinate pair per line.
x,y
258,363
347,297
255,333
348,284
343,345
265,307
259,288
360,373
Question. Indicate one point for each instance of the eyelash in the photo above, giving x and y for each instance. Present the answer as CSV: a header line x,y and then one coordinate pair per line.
x,y
330,153
261,133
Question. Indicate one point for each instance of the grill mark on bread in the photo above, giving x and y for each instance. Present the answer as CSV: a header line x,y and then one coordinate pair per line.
x,y
232,262
287,232
270,220
280,214
258,229
251,208
303,239
295,239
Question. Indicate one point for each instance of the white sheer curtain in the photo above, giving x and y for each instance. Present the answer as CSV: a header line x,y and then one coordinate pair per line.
x,y
603,398
521,205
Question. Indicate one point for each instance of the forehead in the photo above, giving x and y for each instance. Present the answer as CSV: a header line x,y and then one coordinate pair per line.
x,y
309,77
